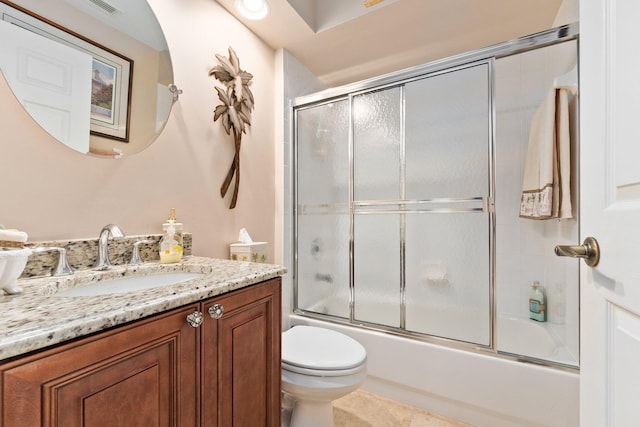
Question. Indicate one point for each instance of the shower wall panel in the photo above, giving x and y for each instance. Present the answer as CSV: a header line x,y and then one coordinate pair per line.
x,y
524,247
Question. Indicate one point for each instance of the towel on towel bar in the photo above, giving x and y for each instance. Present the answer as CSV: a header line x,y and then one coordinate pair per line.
x,y
546,188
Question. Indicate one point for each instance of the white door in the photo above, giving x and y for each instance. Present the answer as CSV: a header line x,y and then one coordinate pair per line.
x,y
610,200
52,81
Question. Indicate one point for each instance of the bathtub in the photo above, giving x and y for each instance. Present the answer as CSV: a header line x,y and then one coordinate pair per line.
x,y
479,389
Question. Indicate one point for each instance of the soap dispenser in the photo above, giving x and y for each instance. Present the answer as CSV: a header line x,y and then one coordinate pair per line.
x,y
171,243
537,304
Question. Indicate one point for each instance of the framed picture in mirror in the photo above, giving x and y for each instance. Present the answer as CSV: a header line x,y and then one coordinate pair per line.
x,y
107,75
110,95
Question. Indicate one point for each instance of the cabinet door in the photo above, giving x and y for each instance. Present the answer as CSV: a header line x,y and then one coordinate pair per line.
x,y
241,358
143,374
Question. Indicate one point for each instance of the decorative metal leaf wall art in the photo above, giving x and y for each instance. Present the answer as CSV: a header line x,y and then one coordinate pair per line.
x,y
234,112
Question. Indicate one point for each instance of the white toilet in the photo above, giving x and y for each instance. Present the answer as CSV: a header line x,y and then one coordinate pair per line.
x,y
318,366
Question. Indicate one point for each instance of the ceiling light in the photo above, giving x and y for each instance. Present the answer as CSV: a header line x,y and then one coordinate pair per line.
x,y
253,9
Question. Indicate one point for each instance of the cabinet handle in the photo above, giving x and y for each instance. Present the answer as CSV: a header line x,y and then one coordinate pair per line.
x,y
216,311
195,319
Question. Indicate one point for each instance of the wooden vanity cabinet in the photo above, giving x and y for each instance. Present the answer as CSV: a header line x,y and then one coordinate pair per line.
x,y
241,358
140,374
159,371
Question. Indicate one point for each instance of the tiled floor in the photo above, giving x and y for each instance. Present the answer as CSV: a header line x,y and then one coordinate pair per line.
x,y
364,409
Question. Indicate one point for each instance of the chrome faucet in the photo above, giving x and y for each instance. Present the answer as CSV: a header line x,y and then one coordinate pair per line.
x,y
135,253
62,268
103,262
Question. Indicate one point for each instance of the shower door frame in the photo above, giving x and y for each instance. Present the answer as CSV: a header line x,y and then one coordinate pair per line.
x,y
487,55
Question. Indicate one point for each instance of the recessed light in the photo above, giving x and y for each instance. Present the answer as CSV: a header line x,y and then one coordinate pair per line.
x,y
253,9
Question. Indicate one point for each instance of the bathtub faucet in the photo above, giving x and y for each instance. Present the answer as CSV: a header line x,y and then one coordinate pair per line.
x,y
324,278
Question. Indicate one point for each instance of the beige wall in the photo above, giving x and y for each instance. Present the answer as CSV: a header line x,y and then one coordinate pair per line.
x,y
568,13
52,192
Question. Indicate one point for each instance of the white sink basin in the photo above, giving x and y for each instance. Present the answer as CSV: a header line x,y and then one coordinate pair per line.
x,y
128,284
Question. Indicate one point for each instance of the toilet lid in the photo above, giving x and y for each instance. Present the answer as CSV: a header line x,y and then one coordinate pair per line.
x,y
320,348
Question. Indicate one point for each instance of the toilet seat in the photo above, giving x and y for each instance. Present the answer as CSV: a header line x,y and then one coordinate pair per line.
x,y
323,372
312,351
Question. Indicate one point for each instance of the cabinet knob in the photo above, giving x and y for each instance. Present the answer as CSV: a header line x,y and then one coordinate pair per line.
x,y
216,311
195,319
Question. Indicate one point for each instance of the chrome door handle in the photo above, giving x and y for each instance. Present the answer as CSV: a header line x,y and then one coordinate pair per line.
x,y
589,250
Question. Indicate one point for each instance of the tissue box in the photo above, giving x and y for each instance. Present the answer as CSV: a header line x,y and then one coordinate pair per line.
x,y
254,251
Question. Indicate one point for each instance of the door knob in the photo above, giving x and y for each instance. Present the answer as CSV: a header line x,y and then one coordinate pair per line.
x,y
589,250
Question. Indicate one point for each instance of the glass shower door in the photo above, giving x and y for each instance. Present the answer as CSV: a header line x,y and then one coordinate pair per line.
x,y
421,191
322,206
407,198
377,156
448,146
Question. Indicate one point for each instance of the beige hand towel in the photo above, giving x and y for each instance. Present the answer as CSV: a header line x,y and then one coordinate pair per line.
x,y
546,189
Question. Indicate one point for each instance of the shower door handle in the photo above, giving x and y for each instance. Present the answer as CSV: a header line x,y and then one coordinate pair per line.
x,y
589,250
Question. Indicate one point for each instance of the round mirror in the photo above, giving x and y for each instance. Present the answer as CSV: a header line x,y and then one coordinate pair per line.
x,y
95,74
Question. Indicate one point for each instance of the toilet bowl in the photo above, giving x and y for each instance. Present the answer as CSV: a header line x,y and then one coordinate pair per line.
x,y
318,366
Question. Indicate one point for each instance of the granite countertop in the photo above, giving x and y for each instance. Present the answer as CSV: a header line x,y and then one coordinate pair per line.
x,y
38,318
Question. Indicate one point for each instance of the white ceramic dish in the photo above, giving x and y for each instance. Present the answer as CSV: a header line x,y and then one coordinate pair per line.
x,y
12,263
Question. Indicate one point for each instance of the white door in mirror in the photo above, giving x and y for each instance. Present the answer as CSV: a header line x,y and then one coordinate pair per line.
x,y
52,82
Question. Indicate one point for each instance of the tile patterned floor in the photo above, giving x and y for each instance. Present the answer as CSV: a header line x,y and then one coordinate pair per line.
x,y
365,409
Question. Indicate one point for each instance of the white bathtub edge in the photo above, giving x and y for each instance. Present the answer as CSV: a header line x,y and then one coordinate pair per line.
x,y
474,388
